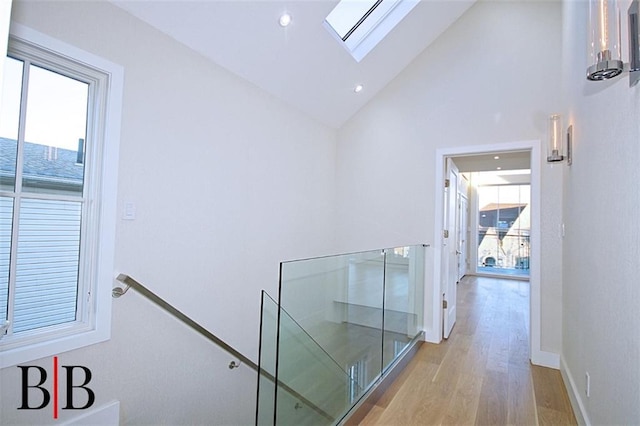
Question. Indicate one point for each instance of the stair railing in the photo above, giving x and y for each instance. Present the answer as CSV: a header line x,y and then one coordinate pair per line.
x,y
130,282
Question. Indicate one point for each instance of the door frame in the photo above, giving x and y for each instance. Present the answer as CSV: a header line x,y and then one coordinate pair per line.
x,y
450,205
434,334
463,234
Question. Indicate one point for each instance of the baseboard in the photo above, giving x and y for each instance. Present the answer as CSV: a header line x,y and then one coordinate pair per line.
x,y
432,336
575,396
545,359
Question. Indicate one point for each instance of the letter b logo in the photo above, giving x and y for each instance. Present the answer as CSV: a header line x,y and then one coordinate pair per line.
x,y
36,396
91,397
46,397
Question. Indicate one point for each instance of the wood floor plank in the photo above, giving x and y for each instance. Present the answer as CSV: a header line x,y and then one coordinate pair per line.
x,y
521,404
518,349
373,416
498,359
493,400
477,356
549,389
417,399
481,375
421,368
432,353
551,417
463,407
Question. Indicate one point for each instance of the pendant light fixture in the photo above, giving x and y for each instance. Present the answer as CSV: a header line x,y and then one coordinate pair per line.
x,y
605,47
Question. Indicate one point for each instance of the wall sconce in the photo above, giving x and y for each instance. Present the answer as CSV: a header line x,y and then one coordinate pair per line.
x,y
554,139
555,145
605,41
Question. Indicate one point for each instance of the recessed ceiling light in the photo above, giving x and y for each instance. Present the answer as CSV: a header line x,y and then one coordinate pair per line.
x,y
285,19
498,168
358,88
497,157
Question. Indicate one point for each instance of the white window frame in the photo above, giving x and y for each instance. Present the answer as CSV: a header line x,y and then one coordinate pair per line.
x,y
374,28
94,323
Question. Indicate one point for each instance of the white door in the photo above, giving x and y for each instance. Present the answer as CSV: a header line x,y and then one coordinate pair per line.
x,y
463,211
450,249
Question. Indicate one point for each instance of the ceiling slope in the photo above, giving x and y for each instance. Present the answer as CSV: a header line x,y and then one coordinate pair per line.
x,y
301,64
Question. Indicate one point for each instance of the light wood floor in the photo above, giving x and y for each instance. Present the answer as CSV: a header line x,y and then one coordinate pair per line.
x,y
481,375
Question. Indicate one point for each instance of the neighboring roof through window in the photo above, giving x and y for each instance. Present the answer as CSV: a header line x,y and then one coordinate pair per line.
x,y
361,24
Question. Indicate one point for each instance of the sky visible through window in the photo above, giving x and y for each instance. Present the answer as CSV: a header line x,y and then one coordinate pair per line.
x,y
56,107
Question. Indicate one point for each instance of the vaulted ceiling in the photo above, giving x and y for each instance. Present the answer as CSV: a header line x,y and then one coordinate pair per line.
x,y
301,64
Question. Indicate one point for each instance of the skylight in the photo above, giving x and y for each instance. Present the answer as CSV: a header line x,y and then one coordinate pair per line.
x,y
361,24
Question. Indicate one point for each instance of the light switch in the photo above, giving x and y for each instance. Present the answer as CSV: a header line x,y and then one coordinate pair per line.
x,y
129,212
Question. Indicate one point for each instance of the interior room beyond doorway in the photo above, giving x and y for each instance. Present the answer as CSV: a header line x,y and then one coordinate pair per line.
x,y
496,235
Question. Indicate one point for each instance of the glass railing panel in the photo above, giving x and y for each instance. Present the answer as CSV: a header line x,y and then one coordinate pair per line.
x,y
403,299
343,321
265,411
313,389
338,301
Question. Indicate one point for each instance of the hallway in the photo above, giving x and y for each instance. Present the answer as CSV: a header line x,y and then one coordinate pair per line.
x,y
482,374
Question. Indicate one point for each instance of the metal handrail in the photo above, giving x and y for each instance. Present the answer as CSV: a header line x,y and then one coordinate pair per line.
x,y
130,282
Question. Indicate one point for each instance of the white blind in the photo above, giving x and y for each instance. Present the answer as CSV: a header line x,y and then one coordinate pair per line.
x,y
47,263
6,214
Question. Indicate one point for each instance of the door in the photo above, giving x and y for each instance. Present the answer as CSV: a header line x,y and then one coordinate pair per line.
x,y
463,212
450,248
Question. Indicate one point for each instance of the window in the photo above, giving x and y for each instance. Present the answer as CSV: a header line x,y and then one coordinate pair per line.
x,y
361,24
357,376
58,169
503,222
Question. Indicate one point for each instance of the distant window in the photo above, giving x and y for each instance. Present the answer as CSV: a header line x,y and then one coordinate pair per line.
x,y
503,225
361,24
357,374
53,165
398,346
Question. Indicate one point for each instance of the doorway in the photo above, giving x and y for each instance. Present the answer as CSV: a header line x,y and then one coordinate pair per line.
x,y
440,283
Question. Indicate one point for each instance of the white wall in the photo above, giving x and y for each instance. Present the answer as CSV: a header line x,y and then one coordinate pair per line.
x,y
493,77
601,319
5,17
227,182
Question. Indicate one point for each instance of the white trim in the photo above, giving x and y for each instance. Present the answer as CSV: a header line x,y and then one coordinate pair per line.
x,y
100,328
365,43
374,28
545,359
5,18
60,47
575,396
432,336
435,335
